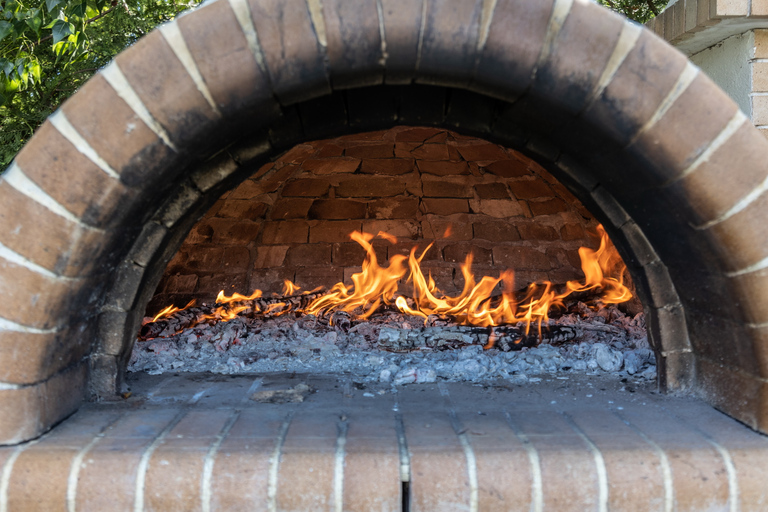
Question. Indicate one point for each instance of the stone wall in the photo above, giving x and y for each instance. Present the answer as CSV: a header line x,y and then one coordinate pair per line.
x,y
422,185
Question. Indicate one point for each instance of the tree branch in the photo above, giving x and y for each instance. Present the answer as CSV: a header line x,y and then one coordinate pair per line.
x,y
89,21
652,7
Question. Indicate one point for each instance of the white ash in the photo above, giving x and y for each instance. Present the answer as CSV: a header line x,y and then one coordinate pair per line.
x,y
609,342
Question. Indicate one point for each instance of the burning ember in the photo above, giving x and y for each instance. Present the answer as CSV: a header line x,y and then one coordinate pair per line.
x,y
376,288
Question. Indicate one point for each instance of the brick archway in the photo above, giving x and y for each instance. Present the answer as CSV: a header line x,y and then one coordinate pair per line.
x,y
101,197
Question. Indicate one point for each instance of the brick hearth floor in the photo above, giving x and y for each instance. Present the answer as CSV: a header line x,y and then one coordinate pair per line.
x,y
198,442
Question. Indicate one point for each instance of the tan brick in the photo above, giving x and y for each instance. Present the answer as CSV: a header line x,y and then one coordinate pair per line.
x,y
445,206
310,278
336,209
388,166
306,188
220,50
394,208
309,255
290,209
323,166
365,151
397,228
285,232
368,186
443,168
33,357
732,7
166,89
498,208
761,43
508,168
496,231
524,258
137,154
291,49
270,256
48,240
333,231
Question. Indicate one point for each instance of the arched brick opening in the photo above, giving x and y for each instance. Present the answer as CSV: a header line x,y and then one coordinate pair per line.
x,y
101,197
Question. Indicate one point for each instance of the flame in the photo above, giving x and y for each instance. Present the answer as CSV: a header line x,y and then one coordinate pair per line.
x,y
171,310
477,304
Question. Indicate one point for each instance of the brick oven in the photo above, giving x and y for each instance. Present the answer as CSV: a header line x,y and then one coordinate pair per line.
x,y
590,118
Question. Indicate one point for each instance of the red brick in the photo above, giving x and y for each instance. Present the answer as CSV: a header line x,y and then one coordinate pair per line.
x,y
444,168
442,188
206,259
548,207
370,186
290,209
431,152
510,168
309,255
181,284
444,277
496,231
524,258
572,232
397,228
270,280
331,165
394,208
389,166
242,209
234,232
312,277
306,188
403,149
537,231
236,260
454,227
417,134
434,254
285,232
381,150
457,253
228,283
445,206
329,150
530,189
333,231
481,152
166,89
250,189
297,154
357,138
498,208
270,256
352,254
492,191
201,233
336,209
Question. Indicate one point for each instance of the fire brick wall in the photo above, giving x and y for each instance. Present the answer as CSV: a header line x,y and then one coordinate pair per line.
x,y
421,185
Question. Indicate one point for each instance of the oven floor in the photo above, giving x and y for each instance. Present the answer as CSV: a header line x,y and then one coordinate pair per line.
x,y
209,442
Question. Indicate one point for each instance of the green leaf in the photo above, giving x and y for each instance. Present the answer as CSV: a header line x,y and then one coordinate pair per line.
x,y
51,4
35,21
5,29
35,70
3,99
62,30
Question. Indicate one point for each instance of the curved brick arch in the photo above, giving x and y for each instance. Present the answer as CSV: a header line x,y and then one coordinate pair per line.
x,y
105,191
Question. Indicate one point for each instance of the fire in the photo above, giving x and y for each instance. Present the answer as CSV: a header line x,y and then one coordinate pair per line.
x,y
477,304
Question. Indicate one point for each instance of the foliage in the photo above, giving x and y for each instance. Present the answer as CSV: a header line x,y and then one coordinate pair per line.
x,y
638,10
49,48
